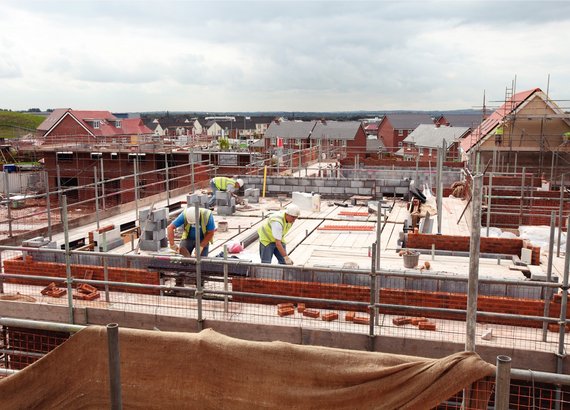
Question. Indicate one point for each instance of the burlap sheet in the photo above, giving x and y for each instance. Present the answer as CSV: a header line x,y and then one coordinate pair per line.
x,y
212,371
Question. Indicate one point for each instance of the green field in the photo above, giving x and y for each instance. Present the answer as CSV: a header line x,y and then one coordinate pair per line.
x,y
15,124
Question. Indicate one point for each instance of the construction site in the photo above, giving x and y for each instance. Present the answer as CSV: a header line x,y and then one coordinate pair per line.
x,y
454,269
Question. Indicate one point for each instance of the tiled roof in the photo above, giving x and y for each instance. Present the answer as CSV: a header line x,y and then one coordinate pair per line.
x,y
290,129
430,136
407,121
464,120
107,122
336,130
496,118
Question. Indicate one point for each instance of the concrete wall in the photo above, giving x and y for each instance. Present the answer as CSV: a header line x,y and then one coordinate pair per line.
x,y
329,187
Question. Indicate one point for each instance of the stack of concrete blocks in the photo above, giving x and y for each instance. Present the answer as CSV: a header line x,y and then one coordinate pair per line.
x,y
307,201
153,229
39,242
225,203
108,240
197,199
252,195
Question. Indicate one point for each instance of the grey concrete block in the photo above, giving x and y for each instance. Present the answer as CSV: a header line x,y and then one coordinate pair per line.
x,y
36,242
222,195
225,210
192,199
115,243
357,184
149,245
154,235
364,191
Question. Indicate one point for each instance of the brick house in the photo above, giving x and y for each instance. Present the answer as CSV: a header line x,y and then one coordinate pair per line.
x,y
526,131
77,144
394,128
424,141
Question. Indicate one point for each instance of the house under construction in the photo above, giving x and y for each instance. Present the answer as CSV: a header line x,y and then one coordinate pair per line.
x,y
482,268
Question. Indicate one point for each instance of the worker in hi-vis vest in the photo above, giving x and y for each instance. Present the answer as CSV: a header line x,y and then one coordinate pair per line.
x,y
223,184
272,235
187,219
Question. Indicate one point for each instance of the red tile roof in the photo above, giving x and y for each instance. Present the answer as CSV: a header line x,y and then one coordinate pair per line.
x,y
496,118
107,123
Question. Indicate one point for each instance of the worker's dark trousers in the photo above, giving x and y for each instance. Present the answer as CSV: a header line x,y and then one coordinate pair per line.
x,y
266,253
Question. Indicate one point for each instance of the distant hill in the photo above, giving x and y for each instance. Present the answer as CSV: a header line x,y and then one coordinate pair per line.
x,y
15,124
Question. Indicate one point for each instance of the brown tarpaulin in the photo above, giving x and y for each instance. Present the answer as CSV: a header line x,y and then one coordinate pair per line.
x,y
212,371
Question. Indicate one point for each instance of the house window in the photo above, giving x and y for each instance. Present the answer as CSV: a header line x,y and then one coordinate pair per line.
x,y
299,142
400,133
400,144
344,143
64,156
96,124
96,155
114,155
118,124
273,141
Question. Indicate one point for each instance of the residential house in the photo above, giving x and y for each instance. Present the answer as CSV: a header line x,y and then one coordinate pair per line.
x,y
80,148
423,143
469,120
526,131
346,138
394,128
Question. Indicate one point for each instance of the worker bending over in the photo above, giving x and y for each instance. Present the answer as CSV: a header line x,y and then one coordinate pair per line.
x,y
223,184
188,241
272,235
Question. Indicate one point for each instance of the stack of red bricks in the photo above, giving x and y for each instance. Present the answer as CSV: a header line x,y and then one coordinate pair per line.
x,y
354,318
85,291
287,309
53,290
421,322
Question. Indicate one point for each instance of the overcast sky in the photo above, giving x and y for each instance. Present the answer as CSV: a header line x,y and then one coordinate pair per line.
x,y
279,55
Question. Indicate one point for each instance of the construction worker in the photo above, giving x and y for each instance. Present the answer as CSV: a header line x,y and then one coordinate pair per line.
x,y
187,218
272,235
224,184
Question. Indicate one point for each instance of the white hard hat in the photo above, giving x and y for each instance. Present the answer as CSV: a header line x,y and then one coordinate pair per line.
x,y
190,214
293,210
240,182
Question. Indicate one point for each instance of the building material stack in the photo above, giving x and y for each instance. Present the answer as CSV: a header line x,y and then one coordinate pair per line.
x,y
252,195
225,203
197,199
153,229
107,238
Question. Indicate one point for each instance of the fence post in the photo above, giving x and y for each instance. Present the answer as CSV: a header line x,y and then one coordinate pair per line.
x,y
8,204
114,366
372,308
67,258
198,249
502,382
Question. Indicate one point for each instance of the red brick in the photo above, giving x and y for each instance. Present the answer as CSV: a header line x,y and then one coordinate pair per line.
x,y
328,317
286,311
426,326
311,313
417,320
285,305
400,321
361,320
300,307
349,317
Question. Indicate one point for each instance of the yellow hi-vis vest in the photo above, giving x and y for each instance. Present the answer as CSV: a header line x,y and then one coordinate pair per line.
x,y
222,183
204,217
265,233
500,130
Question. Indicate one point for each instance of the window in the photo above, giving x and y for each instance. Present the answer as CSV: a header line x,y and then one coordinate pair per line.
x,y
64,156
118,124
299,142
400,144
114,155
96,124
400,132
96,155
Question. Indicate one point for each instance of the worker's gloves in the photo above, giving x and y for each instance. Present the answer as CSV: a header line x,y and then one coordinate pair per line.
x,y
175,248
288,261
